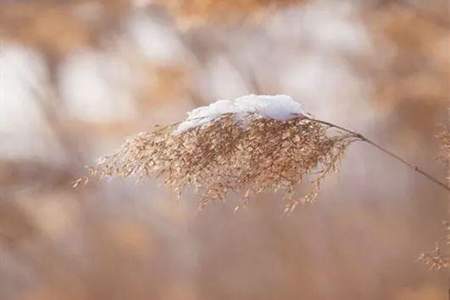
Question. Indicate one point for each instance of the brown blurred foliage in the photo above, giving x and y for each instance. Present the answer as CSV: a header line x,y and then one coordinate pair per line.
x,y
419,37
58,27
200,12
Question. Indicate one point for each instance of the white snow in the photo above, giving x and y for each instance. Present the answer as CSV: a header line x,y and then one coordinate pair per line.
x,y
277,107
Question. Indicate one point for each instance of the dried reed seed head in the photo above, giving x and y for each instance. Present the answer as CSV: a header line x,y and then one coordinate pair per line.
x,y
225,156
444,138
439,257
436,260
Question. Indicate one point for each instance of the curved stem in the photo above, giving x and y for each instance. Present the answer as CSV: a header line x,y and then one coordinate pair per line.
x,y
384,150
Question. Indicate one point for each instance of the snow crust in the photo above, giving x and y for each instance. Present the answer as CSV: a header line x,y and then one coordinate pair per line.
x,y
277,107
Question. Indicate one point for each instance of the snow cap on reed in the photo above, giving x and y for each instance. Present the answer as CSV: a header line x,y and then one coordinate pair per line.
x,y
247,145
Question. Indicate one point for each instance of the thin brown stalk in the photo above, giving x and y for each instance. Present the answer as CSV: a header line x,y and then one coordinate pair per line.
x,y
362,138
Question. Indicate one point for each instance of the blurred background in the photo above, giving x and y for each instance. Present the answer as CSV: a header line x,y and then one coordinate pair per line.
x,y
78,77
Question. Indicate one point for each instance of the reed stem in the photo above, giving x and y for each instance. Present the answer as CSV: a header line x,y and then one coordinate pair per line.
x,y
361,137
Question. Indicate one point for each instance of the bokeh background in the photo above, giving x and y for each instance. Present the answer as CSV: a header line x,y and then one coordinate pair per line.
x,y
78,77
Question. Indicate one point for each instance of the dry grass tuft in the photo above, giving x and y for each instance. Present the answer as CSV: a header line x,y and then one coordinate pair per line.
x,y
224,156
436,259
439,258
444,138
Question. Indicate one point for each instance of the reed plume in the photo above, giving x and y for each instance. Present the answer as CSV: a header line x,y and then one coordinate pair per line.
x,y
223,156
249,145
